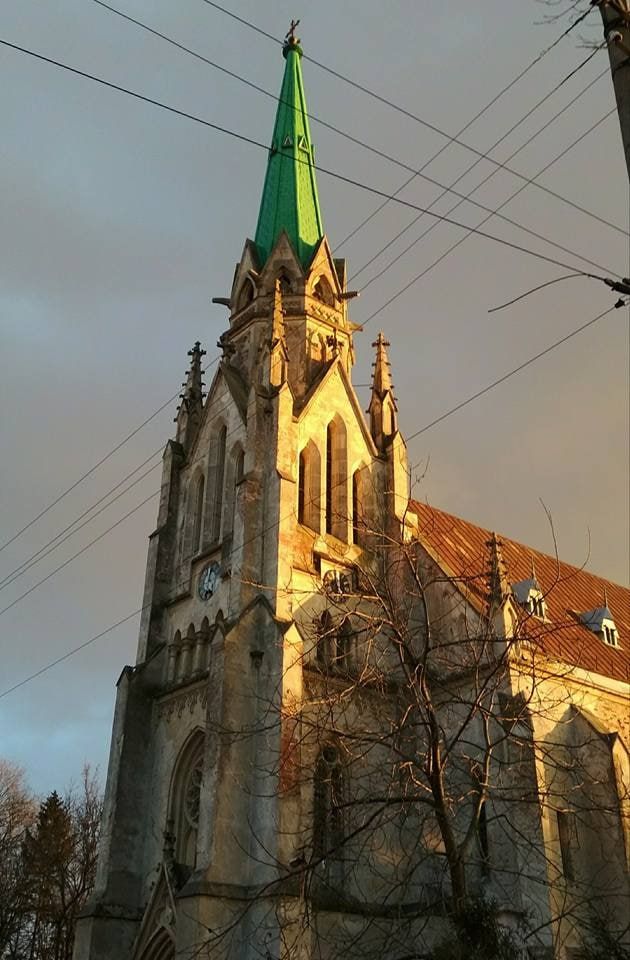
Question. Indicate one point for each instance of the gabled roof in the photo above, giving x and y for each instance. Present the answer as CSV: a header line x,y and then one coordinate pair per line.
x,y
461,549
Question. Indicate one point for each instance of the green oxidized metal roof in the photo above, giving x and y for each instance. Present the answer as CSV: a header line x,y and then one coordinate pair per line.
x,y
289,199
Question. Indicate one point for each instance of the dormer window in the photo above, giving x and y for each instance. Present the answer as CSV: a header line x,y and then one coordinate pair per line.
x,y
610,636
536,605
600,621
530,596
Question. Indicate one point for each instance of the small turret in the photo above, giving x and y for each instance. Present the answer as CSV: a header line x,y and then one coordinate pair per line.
x,y
382,409
189,411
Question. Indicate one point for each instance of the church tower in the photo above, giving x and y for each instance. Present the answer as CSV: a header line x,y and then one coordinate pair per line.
x,y
271,489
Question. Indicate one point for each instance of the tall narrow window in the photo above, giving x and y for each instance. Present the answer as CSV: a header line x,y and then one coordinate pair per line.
x,y
336,479
328,833
482,836
329,478
309,487
219,470
301,486
567,837
345,638
198,514
325,640
234,475
357,506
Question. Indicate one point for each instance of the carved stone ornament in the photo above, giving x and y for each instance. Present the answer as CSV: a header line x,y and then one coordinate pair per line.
x,y
187,700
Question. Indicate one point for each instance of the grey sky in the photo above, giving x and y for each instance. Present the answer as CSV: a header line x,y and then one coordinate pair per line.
x,y
120,222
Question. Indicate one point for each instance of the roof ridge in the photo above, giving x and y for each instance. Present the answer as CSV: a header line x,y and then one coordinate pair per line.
x,y
517,543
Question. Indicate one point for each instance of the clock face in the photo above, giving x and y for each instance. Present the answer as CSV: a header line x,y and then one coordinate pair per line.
x,y
208,580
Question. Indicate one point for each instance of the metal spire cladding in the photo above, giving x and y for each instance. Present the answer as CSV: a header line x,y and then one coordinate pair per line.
x,y
289,198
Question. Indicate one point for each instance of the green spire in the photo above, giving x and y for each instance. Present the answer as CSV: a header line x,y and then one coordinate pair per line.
x,y
289,199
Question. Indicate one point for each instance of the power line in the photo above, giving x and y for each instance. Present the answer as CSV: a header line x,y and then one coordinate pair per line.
x,y
331,173
78,553
98,464
416,118
485,180
367,146
71,653
60,539
521,366
56,542
457,243
276,524
445,146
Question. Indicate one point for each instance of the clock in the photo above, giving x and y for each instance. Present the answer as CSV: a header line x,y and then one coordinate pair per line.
x,y
208,580
337,583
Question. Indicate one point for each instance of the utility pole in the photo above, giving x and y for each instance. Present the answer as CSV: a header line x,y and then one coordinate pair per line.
x,y
616,20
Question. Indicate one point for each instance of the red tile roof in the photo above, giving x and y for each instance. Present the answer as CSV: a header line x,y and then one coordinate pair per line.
x,y
461,549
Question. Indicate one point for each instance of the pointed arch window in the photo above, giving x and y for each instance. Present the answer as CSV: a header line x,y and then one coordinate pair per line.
x,y
185,800
234,476
245,295
309,487
286,286
325,641
174,657
345,643
198,502
217,462
323,292
328,791
336,479
358,496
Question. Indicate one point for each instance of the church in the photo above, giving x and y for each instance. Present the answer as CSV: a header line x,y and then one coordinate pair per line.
x,y
350,712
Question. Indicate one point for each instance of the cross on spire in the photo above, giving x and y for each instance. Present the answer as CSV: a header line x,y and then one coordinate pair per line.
x,y
290,37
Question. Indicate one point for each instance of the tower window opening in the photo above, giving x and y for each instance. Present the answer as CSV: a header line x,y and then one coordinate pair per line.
x,y
336,480
219,471
246,295
285,284
323,292
198,513
345,637
309,487
325,640
357,507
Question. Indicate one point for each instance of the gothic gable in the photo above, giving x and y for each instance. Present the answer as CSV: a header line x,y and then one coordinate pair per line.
x,y
324,386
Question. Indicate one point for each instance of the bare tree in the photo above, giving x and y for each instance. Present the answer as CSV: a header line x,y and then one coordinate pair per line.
x,y
445,790
48,858
17,814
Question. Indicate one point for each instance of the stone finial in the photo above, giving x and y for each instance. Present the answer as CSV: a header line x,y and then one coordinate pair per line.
x,y
189,410
499,588
382,409
382,377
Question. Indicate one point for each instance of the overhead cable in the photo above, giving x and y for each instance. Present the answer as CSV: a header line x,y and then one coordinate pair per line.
x,y
331,173
367,146
412,116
